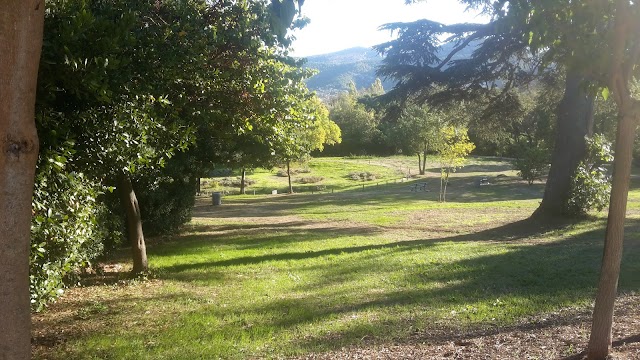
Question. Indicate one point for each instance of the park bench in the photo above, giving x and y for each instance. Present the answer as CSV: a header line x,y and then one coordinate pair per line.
x,y
482,181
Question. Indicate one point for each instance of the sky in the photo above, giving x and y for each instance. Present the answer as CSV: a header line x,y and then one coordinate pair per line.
x,y
342,24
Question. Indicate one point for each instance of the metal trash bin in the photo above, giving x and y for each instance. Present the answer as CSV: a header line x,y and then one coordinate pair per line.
x,y
216,198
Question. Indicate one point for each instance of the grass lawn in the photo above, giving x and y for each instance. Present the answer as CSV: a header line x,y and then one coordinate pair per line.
x,y
288,275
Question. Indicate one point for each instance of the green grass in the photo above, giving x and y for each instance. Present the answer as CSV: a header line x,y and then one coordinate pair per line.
x,y
277,276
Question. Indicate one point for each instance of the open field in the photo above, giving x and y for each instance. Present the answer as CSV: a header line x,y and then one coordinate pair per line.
x,y
379,272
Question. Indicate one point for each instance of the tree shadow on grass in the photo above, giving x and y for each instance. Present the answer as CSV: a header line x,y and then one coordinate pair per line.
x,y
509,232
531,274
542,276
461,190
257,239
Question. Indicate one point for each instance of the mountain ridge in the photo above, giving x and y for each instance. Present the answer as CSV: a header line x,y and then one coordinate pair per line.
x,y
337,69
358,64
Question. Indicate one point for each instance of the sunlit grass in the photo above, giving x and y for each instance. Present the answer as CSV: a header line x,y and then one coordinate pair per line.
x,y
275,276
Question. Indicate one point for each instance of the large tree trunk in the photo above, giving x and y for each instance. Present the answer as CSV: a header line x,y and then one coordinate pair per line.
x,y
628,119
420,169
574,122
21,25
134,224
242,187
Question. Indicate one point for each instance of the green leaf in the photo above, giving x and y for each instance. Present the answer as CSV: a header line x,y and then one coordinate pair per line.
x,y
605,93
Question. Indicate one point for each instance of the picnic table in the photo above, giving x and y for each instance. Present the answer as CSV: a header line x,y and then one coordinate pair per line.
x,y
418,187
482,181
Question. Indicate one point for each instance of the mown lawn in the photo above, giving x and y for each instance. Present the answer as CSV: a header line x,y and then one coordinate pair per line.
x,y
276,276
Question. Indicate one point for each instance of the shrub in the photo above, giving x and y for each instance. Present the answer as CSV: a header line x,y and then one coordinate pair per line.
x,y
166,197
66,231
166,204
532,163
283,172
309,179
362,176
236,182
591,184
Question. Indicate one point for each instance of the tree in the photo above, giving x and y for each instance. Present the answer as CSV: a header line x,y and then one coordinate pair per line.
x,y
488,60
309,128
157,80
417,131
598,43
20,45
453,149
622,61
358,124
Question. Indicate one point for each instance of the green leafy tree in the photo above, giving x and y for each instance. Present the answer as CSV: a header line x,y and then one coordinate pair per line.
x,y
359,125
597,43
417,132
453,149
591,186
151,81
486,61
532,163
308,129
22,38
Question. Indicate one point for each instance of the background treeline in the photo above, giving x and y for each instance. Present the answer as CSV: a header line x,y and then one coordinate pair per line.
x,y
523,121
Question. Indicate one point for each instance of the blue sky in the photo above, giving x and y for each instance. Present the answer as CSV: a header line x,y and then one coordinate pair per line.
x,y
341,24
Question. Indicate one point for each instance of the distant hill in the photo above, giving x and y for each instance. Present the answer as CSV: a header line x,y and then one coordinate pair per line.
x,y
357,64
337,69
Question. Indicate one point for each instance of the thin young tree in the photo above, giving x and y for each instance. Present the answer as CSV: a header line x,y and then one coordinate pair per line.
x,y
623,67
453,149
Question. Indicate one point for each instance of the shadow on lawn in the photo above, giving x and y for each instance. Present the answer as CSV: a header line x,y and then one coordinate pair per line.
x,y
531,274
461,189
509,232
547,276
541,275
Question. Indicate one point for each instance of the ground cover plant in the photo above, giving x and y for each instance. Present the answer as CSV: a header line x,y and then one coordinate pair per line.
x,y
384,272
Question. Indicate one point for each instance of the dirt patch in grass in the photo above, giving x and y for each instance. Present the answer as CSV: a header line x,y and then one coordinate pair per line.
x,y
89,309
561,335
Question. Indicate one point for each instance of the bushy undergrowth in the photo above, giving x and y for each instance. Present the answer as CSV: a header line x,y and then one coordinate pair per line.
x,y
283,172
362,176
532,163
67,229
234,182
165,202
591,184
309,179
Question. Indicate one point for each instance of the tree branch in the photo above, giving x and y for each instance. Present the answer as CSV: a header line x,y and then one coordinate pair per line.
x,y
457,49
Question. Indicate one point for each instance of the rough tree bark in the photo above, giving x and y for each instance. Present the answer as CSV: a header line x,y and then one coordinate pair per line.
x,y
134,224
628,118
420,168
21,24
574,122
